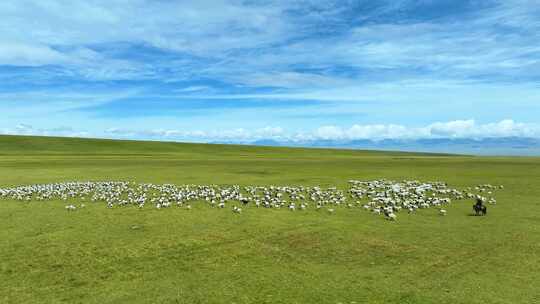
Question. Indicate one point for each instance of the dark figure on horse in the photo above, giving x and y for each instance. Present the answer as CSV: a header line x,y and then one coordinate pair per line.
x,y
479,208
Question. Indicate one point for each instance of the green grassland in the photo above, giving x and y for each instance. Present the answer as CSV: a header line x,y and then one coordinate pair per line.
x,y
205,255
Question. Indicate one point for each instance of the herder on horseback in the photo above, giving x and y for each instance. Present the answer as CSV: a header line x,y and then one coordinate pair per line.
x,y
479,208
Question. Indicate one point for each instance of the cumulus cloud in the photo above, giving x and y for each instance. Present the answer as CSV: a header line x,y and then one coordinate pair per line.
x,y
452,129
269,132
458,129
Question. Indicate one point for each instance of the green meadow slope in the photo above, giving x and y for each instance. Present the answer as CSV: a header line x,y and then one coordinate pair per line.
x,y
262,256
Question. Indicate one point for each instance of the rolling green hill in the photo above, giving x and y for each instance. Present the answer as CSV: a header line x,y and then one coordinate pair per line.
x,y
262,256
32,145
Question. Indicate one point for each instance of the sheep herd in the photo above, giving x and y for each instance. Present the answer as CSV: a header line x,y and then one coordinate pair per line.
x,y
380,197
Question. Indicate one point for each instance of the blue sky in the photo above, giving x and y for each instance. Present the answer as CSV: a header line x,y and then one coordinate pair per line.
x,y
286,70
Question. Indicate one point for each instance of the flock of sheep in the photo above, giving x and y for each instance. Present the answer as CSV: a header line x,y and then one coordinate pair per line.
x,y
381,197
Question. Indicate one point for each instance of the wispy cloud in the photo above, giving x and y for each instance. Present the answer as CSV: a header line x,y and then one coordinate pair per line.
x,y
259,42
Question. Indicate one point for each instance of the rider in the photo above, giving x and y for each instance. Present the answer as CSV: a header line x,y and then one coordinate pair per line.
x,y
479,206
479,202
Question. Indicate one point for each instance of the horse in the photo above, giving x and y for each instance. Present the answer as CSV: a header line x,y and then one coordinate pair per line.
x,y
479,209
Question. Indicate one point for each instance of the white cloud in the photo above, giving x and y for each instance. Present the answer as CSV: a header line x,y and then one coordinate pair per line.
x,y
329,132
457,128
264,36
269,132
239,134
191,89
29,54
198,27
452,129
379,131
444,68
26,129
502,128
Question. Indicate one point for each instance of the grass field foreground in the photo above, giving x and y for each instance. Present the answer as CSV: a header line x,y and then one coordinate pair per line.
x,y
204,255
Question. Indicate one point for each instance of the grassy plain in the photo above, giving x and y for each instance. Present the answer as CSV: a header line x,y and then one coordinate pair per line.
x,y
48,255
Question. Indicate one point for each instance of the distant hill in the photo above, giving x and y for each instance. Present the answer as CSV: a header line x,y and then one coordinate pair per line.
x,y
10,144
32,145
484,146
